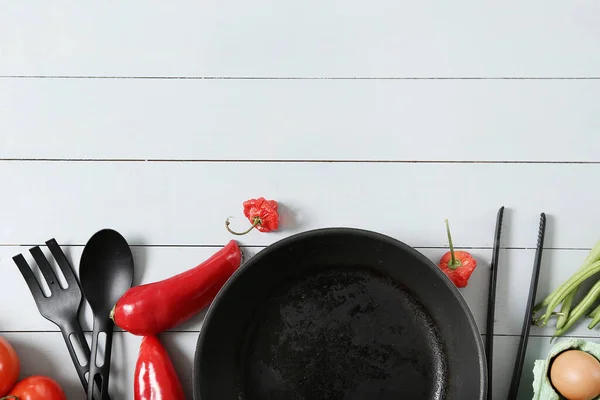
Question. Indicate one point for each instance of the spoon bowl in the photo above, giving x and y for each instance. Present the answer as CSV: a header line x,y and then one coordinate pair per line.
x,y
106,273
105,270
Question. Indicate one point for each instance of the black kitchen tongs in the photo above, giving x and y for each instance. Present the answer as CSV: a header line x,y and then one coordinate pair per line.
x,y
518,370
489,342
489,338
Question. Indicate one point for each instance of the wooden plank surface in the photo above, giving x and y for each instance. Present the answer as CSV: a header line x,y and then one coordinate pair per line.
x,y
181,203
332,38
377,120
156,263
159,119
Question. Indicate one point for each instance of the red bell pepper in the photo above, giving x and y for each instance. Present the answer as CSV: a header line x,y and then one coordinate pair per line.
x,y
262,214
156,307
155,377
457,265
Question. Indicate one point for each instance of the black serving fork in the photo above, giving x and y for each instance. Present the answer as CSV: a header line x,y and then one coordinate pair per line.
x,y
63,305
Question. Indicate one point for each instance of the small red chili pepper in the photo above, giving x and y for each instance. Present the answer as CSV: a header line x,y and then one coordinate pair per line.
x,y
457,265
155,377
261,213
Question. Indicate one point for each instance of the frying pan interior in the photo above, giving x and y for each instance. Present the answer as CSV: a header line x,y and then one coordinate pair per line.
x,y
339,314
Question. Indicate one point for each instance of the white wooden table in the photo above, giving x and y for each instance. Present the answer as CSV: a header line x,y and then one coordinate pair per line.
x,y
158,119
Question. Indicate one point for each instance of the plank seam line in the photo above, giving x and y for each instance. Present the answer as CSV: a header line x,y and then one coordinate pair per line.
x,y
198,331
262,246
349,78
292,161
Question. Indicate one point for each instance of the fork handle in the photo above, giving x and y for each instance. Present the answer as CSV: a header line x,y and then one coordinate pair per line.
x,y
71,332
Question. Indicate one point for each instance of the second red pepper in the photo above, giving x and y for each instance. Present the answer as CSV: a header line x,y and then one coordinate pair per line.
x,y
457,265
155,377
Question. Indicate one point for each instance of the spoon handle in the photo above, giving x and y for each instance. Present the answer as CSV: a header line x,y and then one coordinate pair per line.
x,y
100,365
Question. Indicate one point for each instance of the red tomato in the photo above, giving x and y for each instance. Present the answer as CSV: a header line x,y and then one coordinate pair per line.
x,y
38,388
10,366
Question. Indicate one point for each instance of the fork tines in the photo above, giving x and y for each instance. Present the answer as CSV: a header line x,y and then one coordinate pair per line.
x,y
71,293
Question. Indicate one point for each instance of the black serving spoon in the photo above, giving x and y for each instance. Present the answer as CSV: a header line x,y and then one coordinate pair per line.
x,y
105,272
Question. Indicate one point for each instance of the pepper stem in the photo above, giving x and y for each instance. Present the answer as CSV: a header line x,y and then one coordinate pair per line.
x,y
454,263
9,398
256,221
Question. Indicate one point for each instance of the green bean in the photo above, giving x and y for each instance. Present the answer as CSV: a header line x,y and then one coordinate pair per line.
x,y
580,309
592,257
568,286
595,319
536,321
545,302
594,312
566,308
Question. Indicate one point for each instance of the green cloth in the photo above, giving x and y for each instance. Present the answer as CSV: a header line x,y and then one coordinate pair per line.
x,y
542,389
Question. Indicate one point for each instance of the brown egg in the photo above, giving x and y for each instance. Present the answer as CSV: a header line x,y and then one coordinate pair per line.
x,y
575,374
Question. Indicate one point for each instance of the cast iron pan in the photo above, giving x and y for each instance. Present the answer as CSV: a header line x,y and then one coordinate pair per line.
x,y
342,314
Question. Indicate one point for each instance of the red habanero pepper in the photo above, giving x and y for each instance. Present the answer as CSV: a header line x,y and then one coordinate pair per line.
x,y
156,307
457,265
261,213
155,377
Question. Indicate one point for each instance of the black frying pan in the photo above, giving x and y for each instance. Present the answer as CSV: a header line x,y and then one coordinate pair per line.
x,y
339,314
